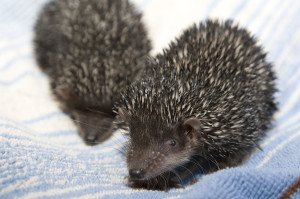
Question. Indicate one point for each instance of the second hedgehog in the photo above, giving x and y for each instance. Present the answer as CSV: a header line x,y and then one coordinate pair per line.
x,y
207,99
91,49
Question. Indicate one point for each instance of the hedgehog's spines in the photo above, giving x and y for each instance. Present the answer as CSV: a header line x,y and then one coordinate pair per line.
x,y
216,72
94,48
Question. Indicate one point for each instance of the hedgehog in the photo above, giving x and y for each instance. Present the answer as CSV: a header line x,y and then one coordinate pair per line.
x,y
207,99
91,50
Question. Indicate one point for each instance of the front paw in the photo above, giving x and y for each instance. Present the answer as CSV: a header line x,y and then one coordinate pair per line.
x,y
158,183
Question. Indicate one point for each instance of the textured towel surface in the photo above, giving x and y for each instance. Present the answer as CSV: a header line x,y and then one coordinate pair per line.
x,y
42,156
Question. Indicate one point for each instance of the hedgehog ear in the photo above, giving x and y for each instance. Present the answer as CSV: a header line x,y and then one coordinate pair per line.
x,y
123,114
191,126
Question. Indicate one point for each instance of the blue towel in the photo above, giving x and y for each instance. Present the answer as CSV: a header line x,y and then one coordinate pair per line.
x,y
42,156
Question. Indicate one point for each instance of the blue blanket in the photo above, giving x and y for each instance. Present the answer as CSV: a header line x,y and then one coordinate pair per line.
x,y
42,156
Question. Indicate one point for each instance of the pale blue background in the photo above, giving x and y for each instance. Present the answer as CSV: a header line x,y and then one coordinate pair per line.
x,y
41,155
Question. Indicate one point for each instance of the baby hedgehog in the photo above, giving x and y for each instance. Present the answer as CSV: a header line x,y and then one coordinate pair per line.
x,y
206,98
91,49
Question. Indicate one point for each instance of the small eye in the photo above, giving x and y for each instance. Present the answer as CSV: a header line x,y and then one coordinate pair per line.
x,y
172,142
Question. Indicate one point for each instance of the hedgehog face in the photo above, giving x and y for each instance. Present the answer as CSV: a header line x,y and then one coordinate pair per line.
x,y
94,126
94,122
155,149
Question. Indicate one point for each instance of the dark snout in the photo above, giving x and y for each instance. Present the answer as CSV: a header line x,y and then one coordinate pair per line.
x,y
94,127
91,139
94,134
136,174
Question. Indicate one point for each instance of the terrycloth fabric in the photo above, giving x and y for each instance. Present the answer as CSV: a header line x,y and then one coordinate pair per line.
x,y
42,156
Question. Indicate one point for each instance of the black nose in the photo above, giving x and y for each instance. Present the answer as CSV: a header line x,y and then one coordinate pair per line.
x,y
90,139
136,174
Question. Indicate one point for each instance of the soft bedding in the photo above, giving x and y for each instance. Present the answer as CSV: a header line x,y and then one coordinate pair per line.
x,y
42,156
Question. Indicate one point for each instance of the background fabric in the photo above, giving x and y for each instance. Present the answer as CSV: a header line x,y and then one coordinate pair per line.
x,y
42,156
